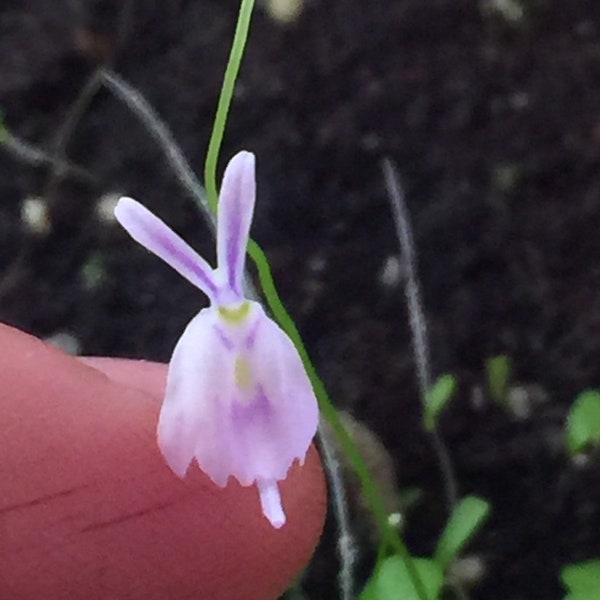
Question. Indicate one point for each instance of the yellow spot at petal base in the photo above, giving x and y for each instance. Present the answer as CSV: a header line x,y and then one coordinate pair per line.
x,y
236,315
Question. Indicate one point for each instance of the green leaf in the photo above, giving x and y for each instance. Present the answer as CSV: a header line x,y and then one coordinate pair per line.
x,y
498,371
583,421
465,520
391,581
437,398
582,580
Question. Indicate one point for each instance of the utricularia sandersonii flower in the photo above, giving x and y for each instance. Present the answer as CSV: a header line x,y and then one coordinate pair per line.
x,y
238,399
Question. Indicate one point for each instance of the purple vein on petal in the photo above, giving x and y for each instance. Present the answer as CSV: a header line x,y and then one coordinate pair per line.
x,y
233,251
223,338
249,341
152,233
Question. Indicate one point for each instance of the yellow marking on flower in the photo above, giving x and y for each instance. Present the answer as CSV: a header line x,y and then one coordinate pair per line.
x,y
236,315
243,375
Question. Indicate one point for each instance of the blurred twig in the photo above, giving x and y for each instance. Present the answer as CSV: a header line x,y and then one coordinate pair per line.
x,y
28,153
163,137
346,544
85,98
418,327
75,114
418,323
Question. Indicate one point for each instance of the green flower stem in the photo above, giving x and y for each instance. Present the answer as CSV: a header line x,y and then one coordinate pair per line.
x,y
390,538
236,54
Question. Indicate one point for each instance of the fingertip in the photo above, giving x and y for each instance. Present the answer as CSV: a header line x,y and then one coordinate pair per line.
x,y
146,376
89,505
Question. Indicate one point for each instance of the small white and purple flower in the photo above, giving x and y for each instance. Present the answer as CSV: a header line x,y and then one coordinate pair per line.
x,y
238,398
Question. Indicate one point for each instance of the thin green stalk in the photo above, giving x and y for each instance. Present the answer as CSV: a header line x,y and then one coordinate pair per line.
x,y
231,73
390,537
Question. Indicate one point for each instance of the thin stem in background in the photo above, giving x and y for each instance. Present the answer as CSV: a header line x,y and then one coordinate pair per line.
x,y
27,153
346,544
418,328
164,138
89,91
418,323
75,114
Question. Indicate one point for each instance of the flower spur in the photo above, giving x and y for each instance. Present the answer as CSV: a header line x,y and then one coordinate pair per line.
x,y
237,399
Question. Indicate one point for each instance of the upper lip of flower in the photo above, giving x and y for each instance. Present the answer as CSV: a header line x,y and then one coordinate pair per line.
x,y
222,285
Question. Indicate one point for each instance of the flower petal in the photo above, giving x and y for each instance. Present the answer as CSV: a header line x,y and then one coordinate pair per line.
x,y
235,210
152,233
277,426
270,501
190,411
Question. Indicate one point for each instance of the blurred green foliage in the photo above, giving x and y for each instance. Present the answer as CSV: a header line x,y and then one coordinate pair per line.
x,y
583,422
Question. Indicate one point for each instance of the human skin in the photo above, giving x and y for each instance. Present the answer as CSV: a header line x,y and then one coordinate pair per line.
x,y
89,509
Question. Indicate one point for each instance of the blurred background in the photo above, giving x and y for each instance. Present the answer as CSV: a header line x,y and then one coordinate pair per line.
x,y
491,111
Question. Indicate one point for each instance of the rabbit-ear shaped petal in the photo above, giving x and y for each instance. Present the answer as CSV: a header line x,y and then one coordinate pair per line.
x,y
152,233
236,207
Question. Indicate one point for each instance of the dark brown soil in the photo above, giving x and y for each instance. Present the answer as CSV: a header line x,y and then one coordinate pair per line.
x,y
495,127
